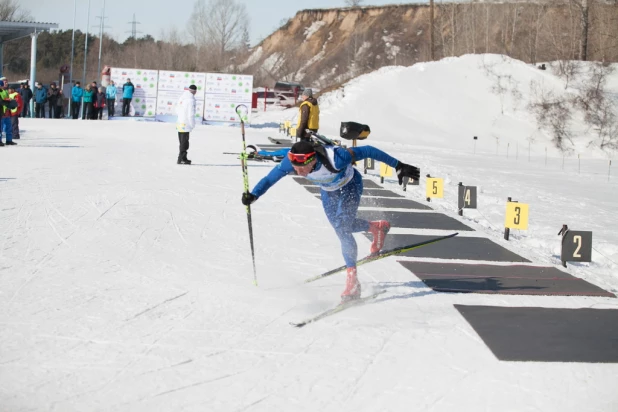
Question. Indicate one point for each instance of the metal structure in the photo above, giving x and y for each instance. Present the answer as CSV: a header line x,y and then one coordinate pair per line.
x,y
13,30
134,24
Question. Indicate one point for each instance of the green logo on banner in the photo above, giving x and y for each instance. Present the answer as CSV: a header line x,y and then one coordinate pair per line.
x,y
137,100
232,105
143,106
139,72
151,85
150,113
186,74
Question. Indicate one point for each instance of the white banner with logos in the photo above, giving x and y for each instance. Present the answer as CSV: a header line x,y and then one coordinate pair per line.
x,y
145,82
224,92
171,86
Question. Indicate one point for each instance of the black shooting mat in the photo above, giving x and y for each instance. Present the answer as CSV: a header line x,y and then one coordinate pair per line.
x,y
366,192
414,220
546,334
284,143
511,280
393,203
469,248
367,184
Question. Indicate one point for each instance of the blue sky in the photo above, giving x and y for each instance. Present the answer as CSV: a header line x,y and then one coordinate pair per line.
x,y
156,16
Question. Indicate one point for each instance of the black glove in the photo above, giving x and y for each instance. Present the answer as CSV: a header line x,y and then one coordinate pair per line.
x,y
248,198
410,171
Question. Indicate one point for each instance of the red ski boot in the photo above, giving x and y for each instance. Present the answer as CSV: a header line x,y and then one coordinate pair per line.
x,y
378,229
352,286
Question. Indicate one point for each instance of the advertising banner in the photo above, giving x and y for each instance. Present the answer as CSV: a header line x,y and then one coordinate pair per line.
x,y
171,86
223,93
144,100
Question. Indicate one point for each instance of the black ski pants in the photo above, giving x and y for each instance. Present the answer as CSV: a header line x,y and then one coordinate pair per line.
x,y
111,106
75,106
39,110
126,106
26,110
183,139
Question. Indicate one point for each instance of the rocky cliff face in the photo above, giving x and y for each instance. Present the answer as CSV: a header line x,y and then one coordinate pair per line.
x,y
325,47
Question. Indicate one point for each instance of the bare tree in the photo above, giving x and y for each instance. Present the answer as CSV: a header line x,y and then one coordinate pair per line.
x,y
553,114
583,8
10,10
219,24
353,3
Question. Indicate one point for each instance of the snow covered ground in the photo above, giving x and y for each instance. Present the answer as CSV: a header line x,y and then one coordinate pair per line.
x,y
126,280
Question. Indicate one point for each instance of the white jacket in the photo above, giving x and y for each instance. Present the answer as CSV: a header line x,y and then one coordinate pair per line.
x,y
185,110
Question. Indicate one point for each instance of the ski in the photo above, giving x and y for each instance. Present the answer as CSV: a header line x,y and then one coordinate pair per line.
x,y
383,254
340,307
256,157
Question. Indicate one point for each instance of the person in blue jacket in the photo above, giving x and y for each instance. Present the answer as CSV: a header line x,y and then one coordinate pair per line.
x,y
127,96
110,96
331,168
40,98
76,99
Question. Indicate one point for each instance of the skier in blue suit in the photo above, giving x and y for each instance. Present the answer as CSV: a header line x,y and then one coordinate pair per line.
x,y
331,168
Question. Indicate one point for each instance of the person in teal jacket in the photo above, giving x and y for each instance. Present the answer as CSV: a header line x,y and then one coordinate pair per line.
x,y
110,96
76,99
88,110
127,96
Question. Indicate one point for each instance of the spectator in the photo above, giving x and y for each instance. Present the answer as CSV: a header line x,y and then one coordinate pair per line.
x,y
185,110
110,95
16,112
127,96
26,96
7,105
40,98
99,104
95,92
76,98
308,115
53,95
88,106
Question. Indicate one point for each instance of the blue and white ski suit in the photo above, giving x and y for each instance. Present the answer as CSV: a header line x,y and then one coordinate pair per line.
x,y
340,192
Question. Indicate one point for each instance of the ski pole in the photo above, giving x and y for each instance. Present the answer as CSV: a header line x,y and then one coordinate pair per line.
x,y
242,112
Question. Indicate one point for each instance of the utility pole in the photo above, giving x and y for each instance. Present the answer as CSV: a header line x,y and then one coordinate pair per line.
x,y
101,27
85,56
431,55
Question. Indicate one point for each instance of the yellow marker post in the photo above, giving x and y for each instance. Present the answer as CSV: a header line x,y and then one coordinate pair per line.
x,y
435,188
385,171
516,216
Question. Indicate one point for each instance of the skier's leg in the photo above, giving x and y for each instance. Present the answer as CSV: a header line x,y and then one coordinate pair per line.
x,y
340,207
8,129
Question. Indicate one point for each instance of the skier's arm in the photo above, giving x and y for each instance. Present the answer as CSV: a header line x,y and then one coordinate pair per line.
x,y
277,173
343,157
303,121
